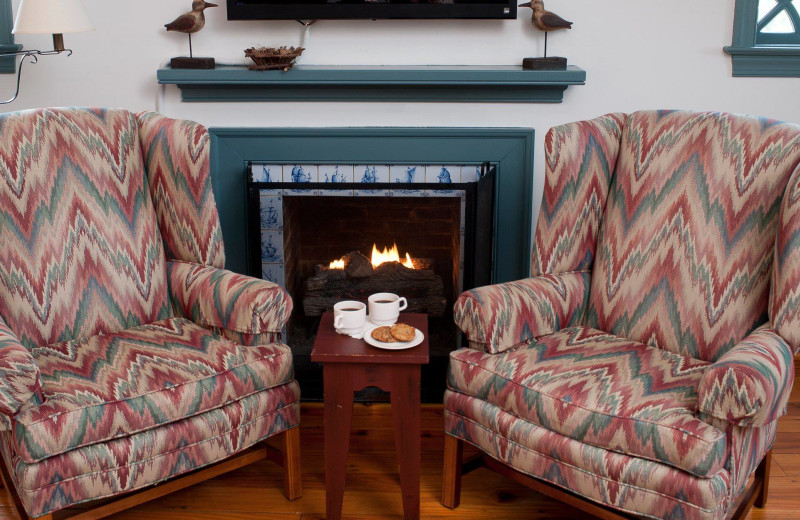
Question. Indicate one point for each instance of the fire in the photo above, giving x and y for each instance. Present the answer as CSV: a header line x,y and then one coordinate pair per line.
x,y
389,255
337,264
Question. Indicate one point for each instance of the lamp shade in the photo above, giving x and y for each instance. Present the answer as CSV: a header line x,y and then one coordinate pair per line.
x,y
51,17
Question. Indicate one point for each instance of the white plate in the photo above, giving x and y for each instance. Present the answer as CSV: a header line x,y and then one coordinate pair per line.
x,y
400,345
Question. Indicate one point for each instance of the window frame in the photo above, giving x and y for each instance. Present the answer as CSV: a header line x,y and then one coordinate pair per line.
x,y
751,59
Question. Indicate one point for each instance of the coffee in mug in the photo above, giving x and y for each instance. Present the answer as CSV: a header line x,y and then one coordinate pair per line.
x,y
384,308
349,317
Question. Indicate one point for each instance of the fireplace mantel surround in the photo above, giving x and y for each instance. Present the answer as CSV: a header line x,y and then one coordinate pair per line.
x,y
510,150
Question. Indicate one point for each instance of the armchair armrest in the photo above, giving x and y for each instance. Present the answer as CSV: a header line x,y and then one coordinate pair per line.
x,y
245,309
750,384
19,375
500,317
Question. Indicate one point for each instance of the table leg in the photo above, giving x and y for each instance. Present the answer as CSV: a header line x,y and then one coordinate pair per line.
x,y
338,416
406,414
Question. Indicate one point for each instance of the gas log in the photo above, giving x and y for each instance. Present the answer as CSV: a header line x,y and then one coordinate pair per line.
x,y
422,287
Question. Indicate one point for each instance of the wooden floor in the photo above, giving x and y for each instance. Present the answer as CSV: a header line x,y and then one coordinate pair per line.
x,y
372,492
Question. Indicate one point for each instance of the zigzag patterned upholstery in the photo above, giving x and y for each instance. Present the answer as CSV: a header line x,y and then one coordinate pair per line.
x,y
112,376
657,389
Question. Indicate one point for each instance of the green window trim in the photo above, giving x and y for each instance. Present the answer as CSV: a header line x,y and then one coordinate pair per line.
x,y
8,64
754,58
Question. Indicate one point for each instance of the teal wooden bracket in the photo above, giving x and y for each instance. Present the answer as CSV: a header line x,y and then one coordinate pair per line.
x,y
8,64
510,149
480,84
752,60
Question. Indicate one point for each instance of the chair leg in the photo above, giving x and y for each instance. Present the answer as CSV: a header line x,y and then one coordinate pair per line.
x,y
451,474
762,474
292,483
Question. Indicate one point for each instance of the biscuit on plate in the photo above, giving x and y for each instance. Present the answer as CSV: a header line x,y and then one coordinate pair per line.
x,y
383,334
403,332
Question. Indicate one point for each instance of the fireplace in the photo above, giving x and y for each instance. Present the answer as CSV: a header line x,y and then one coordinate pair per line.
x,y
313,229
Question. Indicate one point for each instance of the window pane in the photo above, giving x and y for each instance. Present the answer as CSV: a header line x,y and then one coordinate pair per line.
x,y
781,24
765,6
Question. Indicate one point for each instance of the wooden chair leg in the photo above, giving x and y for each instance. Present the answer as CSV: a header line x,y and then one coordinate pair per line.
x,y
762,474
292,482
451,474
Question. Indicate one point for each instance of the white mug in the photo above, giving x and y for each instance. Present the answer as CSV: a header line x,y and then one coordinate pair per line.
x,y
384,308
349,316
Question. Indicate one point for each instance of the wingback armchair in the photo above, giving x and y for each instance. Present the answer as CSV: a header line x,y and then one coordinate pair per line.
x,y
128,355
644,366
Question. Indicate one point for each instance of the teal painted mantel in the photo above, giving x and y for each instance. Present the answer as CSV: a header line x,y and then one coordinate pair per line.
x,y
455,83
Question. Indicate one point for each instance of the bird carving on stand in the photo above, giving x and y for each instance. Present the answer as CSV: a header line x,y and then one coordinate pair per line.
x,y
546,21
189,23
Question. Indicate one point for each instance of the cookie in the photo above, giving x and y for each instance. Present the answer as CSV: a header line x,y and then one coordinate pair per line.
x,y
403,332
383,334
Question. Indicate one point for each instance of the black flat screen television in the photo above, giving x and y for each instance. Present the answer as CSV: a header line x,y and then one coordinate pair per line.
x,y
370,9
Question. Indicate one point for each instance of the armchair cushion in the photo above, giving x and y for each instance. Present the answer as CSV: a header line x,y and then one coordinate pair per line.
x,y
222,299
118,384
500,317
19,375
750,384
137,461
602,390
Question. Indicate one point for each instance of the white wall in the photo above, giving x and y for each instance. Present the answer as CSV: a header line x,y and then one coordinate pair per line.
x,y
638,54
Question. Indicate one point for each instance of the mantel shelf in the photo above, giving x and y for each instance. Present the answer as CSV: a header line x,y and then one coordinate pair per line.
x,y
440,83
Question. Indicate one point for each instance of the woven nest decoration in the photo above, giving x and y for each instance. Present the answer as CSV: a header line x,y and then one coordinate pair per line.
x,y
272,58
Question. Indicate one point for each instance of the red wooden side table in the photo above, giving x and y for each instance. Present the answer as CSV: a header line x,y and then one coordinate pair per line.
x,y
349,365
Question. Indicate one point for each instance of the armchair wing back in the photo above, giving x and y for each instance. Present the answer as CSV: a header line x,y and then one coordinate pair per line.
x,y
176,155
685,254
76,176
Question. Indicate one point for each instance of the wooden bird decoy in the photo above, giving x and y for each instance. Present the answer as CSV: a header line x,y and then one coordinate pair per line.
x,y
189,23
546,21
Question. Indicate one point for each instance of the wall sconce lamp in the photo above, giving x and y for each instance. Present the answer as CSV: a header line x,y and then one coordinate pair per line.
x,y
54,17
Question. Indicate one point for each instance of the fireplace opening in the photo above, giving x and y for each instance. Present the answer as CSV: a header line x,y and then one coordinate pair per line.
x,y
318,243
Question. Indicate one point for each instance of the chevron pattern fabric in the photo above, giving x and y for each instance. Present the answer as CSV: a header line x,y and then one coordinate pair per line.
x,y
19,375
505,316
684,259
81,252
139,460
630,484
117,384
785,297
176,155
579,165
217,298
602,390
750,384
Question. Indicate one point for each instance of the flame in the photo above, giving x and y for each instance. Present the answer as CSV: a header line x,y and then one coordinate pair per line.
x,y
337,264
389,255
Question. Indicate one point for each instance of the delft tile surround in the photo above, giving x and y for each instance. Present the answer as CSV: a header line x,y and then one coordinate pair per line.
x,y
272,267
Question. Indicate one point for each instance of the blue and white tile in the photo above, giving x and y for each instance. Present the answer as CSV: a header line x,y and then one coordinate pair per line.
x,y
300,174
273,273
335,173
271,246
271,212
470,173
443,175
370,193
371,173
268,173
407,173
